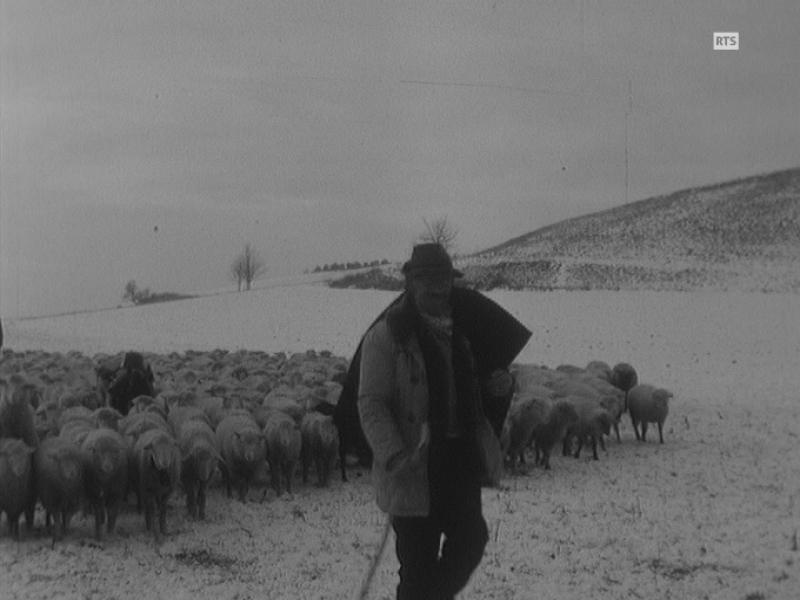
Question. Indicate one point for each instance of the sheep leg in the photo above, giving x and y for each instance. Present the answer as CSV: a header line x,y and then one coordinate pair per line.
x,y
660,432
13,527
342,456
98,521
602,443
644,430
113,512
287,470
305,462
226,476
616,430
30,510
320,464
201,500
566,446
594,446
162,514
580,445
191,500
635,429
149,509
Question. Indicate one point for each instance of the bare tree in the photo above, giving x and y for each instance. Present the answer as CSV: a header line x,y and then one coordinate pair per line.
x,y
131,291
135,294
247,267
440,231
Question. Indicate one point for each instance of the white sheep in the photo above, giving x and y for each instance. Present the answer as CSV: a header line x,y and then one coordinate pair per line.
x,y
648,404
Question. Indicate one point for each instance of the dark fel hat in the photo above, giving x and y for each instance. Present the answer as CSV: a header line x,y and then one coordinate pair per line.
x,y
430,258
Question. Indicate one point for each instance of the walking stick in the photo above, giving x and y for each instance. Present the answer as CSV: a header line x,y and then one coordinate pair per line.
x,y
375,561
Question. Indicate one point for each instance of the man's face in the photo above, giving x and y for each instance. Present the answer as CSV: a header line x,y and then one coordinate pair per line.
x,y
430,291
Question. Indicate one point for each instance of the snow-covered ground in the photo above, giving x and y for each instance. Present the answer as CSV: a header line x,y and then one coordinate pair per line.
x,y
712,513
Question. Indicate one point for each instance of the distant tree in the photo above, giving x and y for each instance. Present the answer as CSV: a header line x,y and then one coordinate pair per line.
x,y
131,291
134,294
247,267
439,231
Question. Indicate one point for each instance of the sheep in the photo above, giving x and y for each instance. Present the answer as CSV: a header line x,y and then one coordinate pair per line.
x,y
648,404
199,458
181,414
525,376
624,377
243,451
320,445
59,475
17,487
527,410
217,408
105,416
593,422
106,475
599,369
284,442
546,435
158,464
17,418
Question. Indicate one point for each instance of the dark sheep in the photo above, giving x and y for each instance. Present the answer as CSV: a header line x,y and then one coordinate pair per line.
x,y
158,464
59,474
17,419
320,446
135,378
17,486
243,450
624,377
348,422
106,476
284,442
200,456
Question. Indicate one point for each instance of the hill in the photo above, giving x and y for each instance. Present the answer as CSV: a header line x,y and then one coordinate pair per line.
x,y
737,235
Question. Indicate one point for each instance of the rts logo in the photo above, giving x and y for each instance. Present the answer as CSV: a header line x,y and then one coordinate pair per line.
x,y
726,40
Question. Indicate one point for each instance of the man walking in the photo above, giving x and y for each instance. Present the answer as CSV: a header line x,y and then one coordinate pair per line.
x,y
426,366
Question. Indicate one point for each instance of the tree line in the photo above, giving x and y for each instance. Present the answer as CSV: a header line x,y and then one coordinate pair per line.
x,y
348,266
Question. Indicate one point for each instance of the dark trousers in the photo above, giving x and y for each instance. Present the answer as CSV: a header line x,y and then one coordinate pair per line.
x,y
438,553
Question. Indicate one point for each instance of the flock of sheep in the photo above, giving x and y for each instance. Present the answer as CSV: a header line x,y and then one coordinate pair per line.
x,y
64,445
573,406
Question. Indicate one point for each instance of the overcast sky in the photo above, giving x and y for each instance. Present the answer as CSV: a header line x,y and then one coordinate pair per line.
x,y
151,140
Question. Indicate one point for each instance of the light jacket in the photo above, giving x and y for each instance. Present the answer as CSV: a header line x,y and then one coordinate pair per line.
x,y
393,404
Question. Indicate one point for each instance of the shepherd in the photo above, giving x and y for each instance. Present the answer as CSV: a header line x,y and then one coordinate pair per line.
x,y
433,376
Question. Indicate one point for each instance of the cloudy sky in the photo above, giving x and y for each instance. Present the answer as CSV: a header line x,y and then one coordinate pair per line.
x,y
151,140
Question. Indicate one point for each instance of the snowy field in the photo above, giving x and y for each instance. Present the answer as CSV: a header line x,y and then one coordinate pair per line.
x,y
714,512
